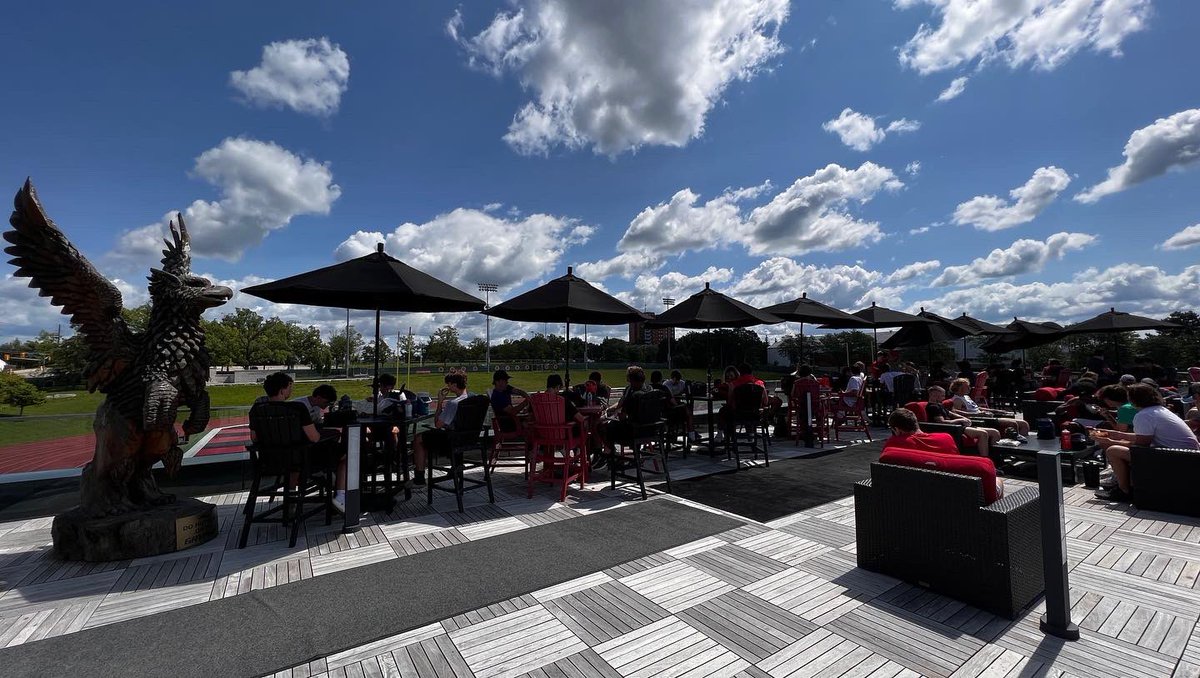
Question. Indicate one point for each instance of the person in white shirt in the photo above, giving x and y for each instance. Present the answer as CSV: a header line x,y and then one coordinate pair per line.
x,y
960,390
438,437
1153,426
854,385
318,401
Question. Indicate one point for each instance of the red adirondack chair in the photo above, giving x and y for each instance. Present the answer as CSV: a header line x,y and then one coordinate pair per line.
x,y
806,409
851,417
979,392
556,444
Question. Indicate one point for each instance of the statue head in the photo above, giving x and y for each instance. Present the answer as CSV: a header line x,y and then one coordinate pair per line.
x,y
174,283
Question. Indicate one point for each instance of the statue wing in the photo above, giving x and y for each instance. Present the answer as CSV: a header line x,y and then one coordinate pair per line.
x,y
42,253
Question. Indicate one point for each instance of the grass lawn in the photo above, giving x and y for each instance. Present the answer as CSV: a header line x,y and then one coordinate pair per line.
x,y
34,427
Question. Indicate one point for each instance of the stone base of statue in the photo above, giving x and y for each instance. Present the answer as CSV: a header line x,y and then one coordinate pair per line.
x,y
150,532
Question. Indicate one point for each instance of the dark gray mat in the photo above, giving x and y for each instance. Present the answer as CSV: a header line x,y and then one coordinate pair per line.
x,y
786,486
265,631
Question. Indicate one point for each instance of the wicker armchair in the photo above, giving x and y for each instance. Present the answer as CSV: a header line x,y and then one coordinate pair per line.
x,y
1164,479
927,527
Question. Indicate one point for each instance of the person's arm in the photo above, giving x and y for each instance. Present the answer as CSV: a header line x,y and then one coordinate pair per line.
x,y
310,431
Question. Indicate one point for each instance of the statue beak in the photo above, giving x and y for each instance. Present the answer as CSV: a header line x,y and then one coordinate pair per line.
x,y
215,296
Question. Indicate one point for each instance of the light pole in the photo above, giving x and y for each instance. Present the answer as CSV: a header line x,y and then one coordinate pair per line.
x,y
487,289
669,302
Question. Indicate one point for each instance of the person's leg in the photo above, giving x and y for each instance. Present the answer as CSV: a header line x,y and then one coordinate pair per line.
x,y
1118,458
982,439
418,454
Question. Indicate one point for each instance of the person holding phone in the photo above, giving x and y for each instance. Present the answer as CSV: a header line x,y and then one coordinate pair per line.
x,y
1153,426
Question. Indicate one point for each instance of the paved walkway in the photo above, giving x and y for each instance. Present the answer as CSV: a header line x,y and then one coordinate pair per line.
x,y
777,599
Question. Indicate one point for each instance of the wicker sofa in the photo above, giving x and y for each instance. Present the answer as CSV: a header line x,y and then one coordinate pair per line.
x,y
929,528
1165,479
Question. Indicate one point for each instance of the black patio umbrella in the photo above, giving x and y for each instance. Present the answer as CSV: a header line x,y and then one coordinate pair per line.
x,y
566,300
805,310
709,309
1025,334
922,335
880,316
1112,322
977,326
375,282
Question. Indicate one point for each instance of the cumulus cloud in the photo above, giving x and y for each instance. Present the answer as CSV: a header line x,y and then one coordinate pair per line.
x,y
467,246
1043,33
1188,237
307,76
780,279
914,270
955,88
625,265
615,76
991,213
682,223
859,131
263,186
1146,290
648,290
810,215
913,168
1023,256
1168,143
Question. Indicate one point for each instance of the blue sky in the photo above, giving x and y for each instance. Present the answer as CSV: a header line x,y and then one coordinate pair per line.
x,y
771,148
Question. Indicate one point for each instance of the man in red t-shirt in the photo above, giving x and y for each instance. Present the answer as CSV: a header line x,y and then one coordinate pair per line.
x,y
906,434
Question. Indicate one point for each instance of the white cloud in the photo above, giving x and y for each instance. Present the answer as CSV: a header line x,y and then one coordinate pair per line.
x,y
919,230
467,246
263,186
307,76
780,279
681,224
1023,256
913,168
615,76
955,88
1145,290
991,213
648,290
1169,143
1044,33
859,131
914,270
625,265
810,215
1188,237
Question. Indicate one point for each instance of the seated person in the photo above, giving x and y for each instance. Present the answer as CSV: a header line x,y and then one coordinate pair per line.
x,y
676,385
501,396
322,396
384,393
1153,426
603,392
1051,371
571,400
437,439
722,388
965,371
1192,419
677,410
746,376
1116,398
907,434
621,425
982,436
881,361
960,389
325,449
854,385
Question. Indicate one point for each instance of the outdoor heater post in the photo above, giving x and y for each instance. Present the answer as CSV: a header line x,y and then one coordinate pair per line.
x,y
1057,620
353,435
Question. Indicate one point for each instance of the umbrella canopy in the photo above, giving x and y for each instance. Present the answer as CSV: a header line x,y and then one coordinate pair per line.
x,y
1113,320
805,310
948,327
977,326
879,316
1025,334
373,282
566,300
922,335
709,309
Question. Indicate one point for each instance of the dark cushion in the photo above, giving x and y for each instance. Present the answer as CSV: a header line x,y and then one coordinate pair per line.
x,y
978,467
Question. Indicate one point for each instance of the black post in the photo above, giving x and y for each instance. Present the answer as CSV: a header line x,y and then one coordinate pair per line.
x,y
375,407
1057,620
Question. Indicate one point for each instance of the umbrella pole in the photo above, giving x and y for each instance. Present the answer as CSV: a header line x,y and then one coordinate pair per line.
x,y
802,342
567,379
376,404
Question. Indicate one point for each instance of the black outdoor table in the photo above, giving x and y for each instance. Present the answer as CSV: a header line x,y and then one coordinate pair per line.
x,y
1070,459
365,490
709,440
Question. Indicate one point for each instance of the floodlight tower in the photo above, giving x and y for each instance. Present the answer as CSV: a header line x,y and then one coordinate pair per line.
x,y
669,302
487,289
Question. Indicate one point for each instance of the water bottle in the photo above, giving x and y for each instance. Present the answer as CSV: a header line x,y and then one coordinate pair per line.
x,y
1065,438
408,409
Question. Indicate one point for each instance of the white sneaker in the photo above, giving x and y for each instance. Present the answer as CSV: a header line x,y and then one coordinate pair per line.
x,y
339,502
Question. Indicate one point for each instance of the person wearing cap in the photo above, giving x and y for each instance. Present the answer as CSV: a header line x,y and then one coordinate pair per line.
x,y
501,396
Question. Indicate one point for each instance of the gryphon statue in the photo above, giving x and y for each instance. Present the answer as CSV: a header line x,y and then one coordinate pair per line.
x,y
145,376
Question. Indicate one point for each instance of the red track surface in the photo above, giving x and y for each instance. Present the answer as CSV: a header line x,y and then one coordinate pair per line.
x,y
75,451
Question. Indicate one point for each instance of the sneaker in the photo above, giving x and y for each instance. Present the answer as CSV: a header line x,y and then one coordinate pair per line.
x,y
1113,494
339,502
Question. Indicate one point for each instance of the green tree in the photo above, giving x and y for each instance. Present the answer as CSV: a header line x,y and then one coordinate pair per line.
x,y
476,350
833,347
68,359
220,341
23,395
137,318
247,329
367,355
337,346
444,346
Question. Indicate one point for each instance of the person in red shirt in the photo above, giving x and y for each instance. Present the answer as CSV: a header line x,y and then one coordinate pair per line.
x,y
907,434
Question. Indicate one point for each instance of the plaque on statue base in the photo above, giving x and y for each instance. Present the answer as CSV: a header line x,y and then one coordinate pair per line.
x,y
150,532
